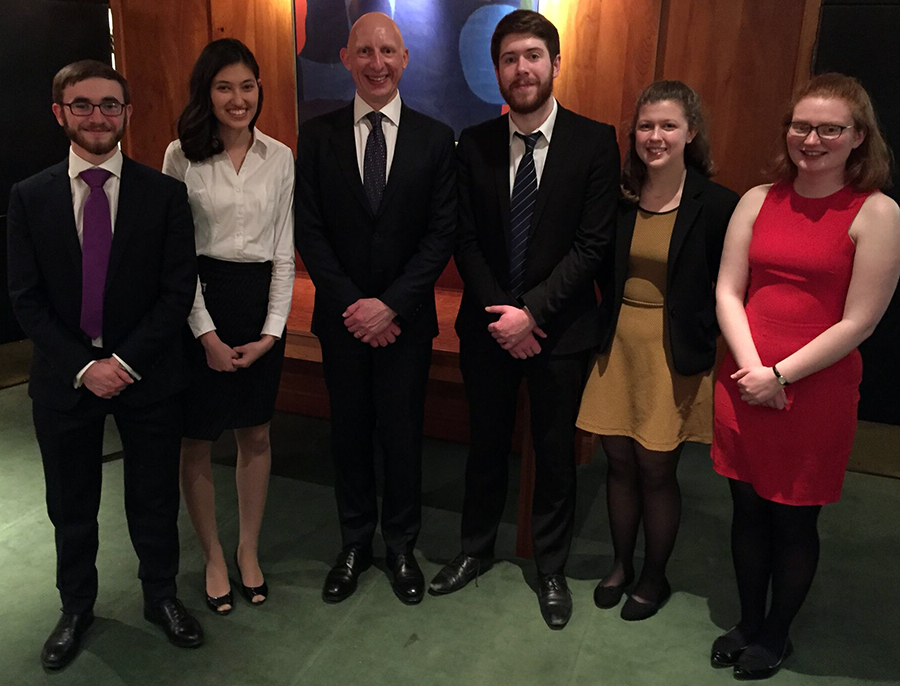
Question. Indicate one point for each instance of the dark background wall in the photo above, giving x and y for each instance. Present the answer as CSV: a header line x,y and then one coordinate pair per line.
x,y
37,38
859,38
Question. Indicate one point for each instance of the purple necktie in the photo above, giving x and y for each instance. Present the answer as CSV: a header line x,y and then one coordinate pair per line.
x,y
95,244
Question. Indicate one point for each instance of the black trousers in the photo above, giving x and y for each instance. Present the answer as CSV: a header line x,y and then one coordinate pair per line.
x,y
377,391
492,378
71,446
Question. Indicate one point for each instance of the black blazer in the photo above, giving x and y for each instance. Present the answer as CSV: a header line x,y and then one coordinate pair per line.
x,y
693,266
572,227
395,254
150,283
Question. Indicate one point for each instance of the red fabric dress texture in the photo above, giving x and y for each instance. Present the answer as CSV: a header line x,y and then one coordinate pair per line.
x,y
801,261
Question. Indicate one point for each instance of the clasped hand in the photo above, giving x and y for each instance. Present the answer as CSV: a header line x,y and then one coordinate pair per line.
x,y
516,331
223,358
759,386
372,322
106,378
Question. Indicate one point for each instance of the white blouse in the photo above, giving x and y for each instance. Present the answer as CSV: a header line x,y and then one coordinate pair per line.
x,y
243,217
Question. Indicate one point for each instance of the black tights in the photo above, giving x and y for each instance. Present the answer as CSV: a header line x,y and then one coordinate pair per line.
x,y
641,485
771,541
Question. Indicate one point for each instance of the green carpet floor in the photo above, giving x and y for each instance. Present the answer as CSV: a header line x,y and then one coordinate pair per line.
x,y
489,634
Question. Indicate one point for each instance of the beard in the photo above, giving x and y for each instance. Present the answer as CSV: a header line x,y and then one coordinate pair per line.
x,y
521,104
95,146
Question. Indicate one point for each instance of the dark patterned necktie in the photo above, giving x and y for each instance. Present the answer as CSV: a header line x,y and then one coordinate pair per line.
x,y
521,209
375,161
96,240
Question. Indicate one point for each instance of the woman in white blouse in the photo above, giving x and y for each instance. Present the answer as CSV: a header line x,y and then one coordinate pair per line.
x,y
240,184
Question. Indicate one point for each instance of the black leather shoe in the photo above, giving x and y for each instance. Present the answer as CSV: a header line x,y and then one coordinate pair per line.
x,y
606,597
343,578
727,648
758,662
180,625
457,573
255,595
555,600
408,581
635,610
63,643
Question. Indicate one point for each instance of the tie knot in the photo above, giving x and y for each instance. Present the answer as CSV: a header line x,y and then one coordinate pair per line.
x,y
95,178
375,119
530,140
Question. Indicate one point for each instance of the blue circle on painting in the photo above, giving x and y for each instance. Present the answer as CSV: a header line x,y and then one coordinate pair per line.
x,y
475,51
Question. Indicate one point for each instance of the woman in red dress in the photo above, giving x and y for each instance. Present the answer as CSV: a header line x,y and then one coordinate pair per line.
x,y
809,266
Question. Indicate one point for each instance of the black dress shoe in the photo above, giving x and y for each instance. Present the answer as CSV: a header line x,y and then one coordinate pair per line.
x,y
457,573
180,625
555,600
343,578
251,593
635,610
758,662
606,597
727,648
63,643
408,581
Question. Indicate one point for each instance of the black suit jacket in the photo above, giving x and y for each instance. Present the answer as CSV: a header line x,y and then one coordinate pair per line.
x,y
693,266
571,229
394,254
150,283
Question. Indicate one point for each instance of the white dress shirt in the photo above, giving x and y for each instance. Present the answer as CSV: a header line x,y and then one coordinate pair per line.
x,y
362,127
243,217
80,193
517,146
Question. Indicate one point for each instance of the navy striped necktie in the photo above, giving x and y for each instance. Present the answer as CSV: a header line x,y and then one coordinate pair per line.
x,y
521,209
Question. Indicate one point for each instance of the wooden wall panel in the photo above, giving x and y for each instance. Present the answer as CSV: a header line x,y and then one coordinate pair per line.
x,y
608,50
156,44
742,56
266,27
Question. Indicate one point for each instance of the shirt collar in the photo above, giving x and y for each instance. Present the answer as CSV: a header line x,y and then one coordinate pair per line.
x,y
260,143
391,111
546,128
78,164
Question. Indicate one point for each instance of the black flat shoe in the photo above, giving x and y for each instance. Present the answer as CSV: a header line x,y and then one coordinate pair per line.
x,y
457,573
251,592
606,597
180,626
215,603
62,645
727,648
636,611
407,580
343,578
555,600
758,662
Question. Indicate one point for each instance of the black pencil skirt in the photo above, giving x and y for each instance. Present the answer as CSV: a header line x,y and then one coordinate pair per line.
x,y
237,299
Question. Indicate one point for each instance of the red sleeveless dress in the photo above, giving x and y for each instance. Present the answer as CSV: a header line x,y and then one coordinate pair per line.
x,y
801,260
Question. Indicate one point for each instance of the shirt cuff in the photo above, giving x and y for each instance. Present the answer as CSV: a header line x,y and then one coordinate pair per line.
x,y
201,323
274,326
134,374
78,382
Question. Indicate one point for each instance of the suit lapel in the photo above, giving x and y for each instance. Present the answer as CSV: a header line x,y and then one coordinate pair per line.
x,y
554,164
687,214
344,143
128,215
499,161
404,151
61,201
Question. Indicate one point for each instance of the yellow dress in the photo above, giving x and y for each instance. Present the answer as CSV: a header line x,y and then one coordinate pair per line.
x,y
633,389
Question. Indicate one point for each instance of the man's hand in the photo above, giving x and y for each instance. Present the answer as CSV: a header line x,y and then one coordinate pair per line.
x,y
514,325
527,347
106,378
251,352
369,318
219,357
386,337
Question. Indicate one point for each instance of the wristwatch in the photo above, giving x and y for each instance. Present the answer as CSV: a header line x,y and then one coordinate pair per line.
x,y
781,379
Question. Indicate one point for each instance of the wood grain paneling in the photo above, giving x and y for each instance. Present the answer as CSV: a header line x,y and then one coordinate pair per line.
x,y
742,57
608,50
266,27
156,44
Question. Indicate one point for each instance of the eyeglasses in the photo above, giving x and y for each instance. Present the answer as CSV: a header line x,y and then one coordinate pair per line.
x,y
84,108
827,132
